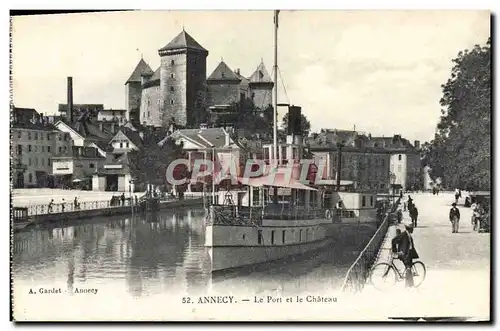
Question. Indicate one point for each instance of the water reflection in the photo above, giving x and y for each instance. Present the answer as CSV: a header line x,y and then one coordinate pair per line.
x,y
161,253
146,253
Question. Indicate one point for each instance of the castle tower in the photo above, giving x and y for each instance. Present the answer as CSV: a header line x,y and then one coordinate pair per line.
x,y
133,90
183,72
261,87
223,86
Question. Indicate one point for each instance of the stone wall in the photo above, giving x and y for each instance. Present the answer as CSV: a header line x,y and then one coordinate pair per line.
x,y
150,106
133,95
262,95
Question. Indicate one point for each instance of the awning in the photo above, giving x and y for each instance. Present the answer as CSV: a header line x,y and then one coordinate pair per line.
x,y
279,180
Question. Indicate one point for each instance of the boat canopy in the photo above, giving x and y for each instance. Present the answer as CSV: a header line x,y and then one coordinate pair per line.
x,y
279,180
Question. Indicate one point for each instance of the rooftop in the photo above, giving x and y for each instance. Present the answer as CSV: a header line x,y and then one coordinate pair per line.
x,y
223,73
142,68
183,41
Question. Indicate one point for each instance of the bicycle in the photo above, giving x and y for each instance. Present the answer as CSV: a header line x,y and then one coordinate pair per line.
x,y
388,273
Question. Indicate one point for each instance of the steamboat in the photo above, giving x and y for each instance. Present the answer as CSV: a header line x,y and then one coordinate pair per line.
x,y
282,213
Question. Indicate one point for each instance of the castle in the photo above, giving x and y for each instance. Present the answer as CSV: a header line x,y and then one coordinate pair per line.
x,y
179,89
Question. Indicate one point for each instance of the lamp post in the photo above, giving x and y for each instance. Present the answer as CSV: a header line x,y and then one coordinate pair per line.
x,y
392,177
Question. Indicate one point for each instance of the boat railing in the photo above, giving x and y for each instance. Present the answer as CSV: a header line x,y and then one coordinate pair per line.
x,y
293,212
234,215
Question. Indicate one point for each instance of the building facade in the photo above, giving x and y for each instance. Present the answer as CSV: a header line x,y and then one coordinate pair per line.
x,y
34,145
361,162
405,164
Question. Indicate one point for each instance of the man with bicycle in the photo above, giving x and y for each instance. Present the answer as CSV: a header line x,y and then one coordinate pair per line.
x,y
403,248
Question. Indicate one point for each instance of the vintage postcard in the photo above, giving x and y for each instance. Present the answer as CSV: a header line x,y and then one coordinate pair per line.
x,y
251,166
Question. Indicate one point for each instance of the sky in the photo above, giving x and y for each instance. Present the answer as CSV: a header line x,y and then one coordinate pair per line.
x,y
380,71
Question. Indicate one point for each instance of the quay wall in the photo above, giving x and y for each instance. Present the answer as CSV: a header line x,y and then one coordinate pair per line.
x,y
111,211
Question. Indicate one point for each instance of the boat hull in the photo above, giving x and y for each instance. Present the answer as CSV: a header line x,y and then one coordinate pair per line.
x,y
230,258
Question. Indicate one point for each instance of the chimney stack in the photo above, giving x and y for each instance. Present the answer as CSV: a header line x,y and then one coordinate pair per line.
x,y
294,124
417,144
69,111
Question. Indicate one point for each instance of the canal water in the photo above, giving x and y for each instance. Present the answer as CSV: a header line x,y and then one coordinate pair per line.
x,y
135,257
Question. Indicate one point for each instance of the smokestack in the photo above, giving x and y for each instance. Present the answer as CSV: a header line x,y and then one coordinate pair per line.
x,y
69,112
294,125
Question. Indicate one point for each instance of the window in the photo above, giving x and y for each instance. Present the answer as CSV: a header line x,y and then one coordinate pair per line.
x,y
143,114
36,148
363,201
48,161
19,134
223,74
371,201
48,149
121,145
29,135
172,62
127,144
29,148
36,161
59,136
399,157
171,89
30,177
272,237
300,235
65,137
43,162
36,135
171,101
19,149
65,149
283,234
148,114
29,161
60,149
48,136
259,237
172,75
91,165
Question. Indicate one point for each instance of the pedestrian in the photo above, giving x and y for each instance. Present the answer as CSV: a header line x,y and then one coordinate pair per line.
x,y
400,215
75,203
414,215
63,205
454,218
457,195
123,199
410,202
403,246
51,203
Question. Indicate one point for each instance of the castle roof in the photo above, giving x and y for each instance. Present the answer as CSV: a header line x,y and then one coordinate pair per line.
x,y
141,69
260,75
224,73
156,75
183,41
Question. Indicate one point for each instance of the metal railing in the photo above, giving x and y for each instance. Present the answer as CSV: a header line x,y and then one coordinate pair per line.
x,y
358,272
43,209
234,215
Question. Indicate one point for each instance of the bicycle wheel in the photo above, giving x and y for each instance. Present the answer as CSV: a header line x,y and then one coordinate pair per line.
x,y
383,276
418,270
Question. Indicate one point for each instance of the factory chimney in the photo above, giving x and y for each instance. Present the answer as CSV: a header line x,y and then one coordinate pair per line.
x,y
69,111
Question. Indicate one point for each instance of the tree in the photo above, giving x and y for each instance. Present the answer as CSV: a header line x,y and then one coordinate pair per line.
x,y
244,115
460,151
304,124
153,159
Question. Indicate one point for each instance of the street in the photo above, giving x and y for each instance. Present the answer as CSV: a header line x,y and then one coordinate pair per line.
x,y
458,265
